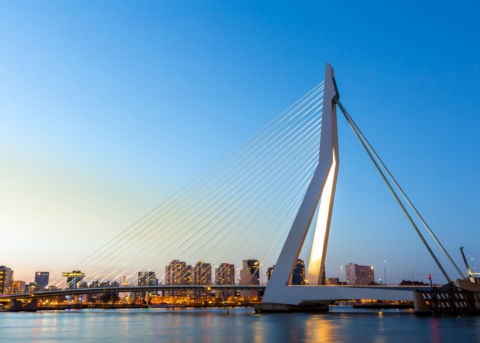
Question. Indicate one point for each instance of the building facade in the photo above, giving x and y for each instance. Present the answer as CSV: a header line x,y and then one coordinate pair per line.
x,y
250,272
74,278
147,279
359,275
41,279
6,280
177,273
225,274
202,273
298,274
18,287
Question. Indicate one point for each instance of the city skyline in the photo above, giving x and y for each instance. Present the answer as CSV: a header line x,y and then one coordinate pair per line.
x,y
102,121
177,272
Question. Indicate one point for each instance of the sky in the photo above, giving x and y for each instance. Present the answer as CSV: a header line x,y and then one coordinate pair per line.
x,y
108,107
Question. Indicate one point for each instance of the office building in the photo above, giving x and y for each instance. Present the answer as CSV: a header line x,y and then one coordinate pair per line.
x,y
359,275
41,279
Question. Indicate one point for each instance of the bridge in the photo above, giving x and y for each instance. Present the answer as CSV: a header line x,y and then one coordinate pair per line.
x,y
134,289
279,188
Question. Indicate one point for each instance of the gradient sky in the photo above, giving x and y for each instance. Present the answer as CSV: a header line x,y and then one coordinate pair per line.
x,y
108,107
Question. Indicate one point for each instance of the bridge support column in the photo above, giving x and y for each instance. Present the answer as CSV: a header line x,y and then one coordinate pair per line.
x,y
318,198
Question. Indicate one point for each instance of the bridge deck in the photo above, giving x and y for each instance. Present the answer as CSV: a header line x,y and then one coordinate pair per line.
x,y
330,290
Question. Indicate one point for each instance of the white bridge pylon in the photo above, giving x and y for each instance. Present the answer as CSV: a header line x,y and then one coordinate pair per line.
x,y
319,197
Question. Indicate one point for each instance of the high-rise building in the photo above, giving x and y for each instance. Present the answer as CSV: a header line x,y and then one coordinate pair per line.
x,y
250,272
359,275
41,279
73,278
147,279
298,274
6,279
225,274
202,273
178,273
188,275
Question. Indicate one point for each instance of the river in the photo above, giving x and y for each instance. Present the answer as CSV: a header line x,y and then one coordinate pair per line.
x,y
234,325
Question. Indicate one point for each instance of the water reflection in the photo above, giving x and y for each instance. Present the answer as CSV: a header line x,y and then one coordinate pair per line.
x,y
321,329
239,325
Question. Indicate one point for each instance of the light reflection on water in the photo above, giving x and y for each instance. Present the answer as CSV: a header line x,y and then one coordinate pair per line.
x,y
239,325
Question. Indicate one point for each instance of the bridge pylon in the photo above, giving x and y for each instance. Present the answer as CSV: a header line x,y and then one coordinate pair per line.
x,y
280,295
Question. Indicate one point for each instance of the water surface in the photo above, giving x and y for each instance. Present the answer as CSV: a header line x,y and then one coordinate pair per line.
x,y
236,325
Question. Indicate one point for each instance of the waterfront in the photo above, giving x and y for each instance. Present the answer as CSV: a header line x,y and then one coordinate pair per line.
x,y
234,325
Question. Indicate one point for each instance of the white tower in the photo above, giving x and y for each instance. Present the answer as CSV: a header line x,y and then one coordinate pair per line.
x,y
279,295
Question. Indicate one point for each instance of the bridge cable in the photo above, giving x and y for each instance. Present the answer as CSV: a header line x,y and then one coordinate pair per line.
x,y
148,237
371,153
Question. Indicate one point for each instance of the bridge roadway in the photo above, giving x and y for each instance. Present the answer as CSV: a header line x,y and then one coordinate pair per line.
x,y
133,289
130,289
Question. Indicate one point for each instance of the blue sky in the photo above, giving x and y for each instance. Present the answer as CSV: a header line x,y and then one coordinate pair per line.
x,y
108,107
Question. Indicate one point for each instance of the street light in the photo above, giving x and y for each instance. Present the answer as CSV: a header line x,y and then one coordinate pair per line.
x,y
385,271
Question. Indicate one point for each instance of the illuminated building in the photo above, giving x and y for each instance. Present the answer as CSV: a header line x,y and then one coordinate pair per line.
x,y
359,275
202,273
73,278
18,287
250,273
31,287
6,279
147,279
188,275
298,274
225,274
178,273
41,279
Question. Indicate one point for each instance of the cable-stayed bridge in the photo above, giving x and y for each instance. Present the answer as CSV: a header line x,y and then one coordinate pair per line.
x,y
270,202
